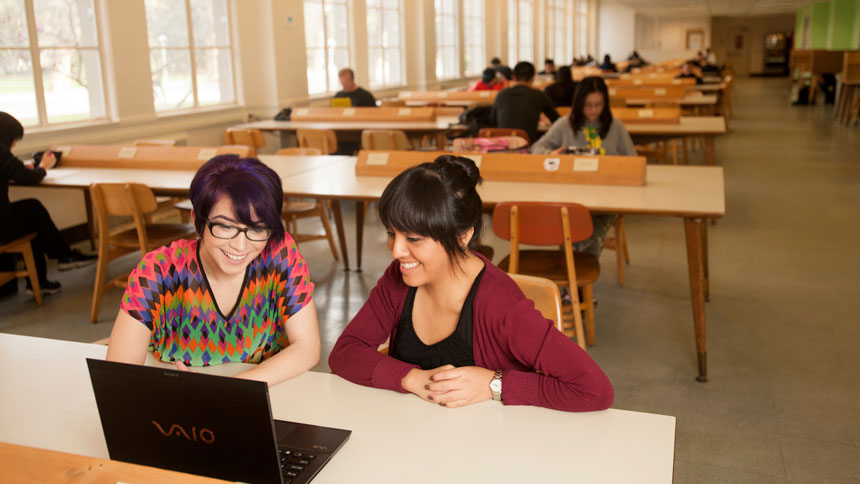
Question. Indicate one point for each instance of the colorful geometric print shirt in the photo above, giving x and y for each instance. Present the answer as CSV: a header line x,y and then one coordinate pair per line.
x,y
169,293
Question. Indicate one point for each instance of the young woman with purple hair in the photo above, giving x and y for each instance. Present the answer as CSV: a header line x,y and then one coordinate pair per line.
x,y
241,292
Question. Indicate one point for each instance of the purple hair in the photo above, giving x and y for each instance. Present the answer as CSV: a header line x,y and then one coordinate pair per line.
x,y
248,183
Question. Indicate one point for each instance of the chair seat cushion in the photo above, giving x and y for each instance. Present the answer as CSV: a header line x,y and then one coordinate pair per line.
x,y
550,264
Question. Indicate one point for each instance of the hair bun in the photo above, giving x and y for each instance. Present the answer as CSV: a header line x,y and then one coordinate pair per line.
x,y
458,171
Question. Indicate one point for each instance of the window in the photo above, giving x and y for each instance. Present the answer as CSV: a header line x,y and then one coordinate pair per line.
x,y
447,40
473,36
558,38
50,61
582,28
520,30
191,61
384,42
326,40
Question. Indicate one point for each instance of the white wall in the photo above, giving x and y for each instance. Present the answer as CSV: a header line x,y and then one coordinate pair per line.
x,y
615,26
659,39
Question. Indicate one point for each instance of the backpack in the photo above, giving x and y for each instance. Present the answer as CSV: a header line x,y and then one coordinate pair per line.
x,y
476,119
510,144
284,114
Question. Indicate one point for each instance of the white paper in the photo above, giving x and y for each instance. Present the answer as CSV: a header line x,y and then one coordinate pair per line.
x,y
65,150
476,158
485,93
58,173
646,113
637,82
404,111
377,159
660,91
676,81
206,153
127,152
405,94
349,111
443,94
551,164
586,164
612,92
301,112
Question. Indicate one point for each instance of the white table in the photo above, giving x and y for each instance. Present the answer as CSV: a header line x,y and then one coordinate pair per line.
x,y
48,403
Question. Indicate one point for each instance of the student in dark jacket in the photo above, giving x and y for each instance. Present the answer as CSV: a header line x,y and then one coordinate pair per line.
x,y
359,97
23,217
520,106
687,72
608,65
561,91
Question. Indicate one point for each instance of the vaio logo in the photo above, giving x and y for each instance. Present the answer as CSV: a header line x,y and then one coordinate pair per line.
x,y
204,435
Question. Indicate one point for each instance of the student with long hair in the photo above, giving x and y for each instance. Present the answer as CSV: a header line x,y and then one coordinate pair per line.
x,y
241,292
460,329
561,91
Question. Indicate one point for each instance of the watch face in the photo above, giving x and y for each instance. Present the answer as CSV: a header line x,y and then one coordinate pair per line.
x,y
496,386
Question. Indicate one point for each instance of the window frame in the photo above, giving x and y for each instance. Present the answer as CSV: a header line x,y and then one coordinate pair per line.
x,y
34,49
479,46
456,71
400,46
327,51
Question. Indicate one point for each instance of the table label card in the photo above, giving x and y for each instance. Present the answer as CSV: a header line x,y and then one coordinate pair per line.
x,y
612,92
377,159
349,112
676,81
646,113
404,111
485,93
443,94
626,76
127,152
637,82
65,150
586,164
660,91
652,75
551,164
406,94
476,158
301,112
205,154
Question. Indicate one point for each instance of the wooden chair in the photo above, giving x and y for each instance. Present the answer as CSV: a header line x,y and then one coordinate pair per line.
x,y
324,140
295,210
384,139
552,224
134,200
244,137
618,243
493,132
22,246
544,294
155,142
298,152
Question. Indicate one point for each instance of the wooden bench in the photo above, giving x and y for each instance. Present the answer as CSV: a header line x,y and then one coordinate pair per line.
x,y
520,167
364,114
151,157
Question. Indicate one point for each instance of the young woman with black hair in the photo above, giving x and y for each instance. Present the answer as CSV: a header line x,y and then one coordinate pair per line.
x,y
590,125
460,329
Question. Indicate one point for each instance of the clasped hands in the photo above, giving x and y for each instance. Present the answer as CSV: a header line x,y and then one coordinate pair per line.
x,y
450,386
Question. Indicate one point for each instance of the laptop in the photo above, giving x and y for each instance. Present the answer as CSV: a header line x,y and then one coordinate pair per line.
x,y
207,425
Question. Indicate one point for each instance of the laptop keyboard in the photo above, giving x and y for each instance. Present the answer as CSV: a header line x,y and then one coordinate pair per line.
x,y
293,462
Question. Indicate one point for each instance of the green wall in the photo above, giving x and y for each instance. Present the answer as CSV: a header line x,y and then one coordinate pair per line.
x,y
820,25
844,21
833,25
802,15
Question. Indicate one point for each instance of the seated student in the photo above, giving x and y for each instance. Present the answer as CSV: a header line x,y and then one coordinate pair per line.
x,y
502,69
488,81
358,96
699,60
590,125
23,217
687,72
608,65
239,293
710,57
548,67
520,106
561,91
457,323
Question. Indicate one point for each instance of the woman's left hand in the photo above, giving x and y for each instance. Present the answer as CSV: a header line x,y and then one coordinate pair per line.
x,y
461,386
182,366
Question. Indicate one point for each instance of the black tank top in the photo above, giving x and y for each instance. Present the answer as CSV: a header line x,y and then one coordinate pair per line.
x,y
456,349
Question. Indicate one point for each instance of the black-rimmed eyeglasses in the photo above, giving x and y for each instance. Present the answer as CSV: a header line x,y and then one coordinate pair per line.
x,y
223,231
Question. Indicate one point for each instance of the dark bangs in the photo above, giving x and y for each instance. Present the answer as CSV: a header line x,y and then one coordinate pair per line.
x,y
577,113
248,183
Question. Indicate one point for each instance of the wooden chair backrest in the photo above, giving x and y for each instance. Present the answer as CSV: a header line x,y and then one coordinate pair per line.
x,y
151,157
493,132
324,140
298,152
155,142
386,103
442,96
414,114
851,68
123,199
542,223
246,137
544,294
384,139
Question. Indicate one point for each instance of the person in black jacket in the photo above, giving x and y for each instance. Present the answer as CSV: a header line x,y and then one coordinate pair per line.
x,y
520,106
358,96
561,91
27,216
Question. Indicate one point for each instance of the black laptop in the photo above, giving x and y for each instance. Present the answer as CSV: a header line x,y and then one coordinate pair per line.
x,y
206,425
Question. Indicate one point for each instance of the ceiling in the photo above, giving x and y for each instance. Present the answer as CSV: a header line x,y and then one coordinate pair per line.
x,y
713,8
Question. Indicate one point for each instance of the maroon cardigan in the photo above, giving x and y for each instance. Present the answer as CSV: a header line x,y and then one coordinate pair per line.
x,y
508,333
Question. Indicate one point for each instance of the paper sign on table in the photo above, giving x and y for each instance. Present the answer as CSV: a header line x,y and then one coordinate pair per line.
x,y
301,112
476,158
646,113
377,159
404,111
660,91
551,164
205,154
586,164
127,152
349,112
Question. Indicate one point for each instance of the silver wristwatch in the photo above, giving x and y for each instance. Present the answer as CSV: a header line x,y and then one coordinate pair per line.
x,y
496,385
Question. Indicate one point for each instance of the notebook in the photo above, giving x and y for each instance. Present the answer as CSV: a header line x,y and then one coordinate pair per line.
x,y
208,425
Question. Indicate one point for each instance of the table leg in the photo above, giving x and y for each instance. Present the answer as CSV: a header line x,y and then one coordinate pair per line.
x,y
341,237
360,207
710,158
91,224
695,234
441,141
705,269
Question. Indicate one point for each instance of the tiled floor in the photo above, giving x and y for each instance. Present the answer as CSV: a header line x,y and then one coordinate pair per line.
x,y
783,401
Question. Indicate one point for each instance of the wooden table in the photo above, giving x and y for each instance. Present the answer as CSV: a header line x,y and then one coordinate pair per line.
x,y
437,128
694,193
706,126
48,403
